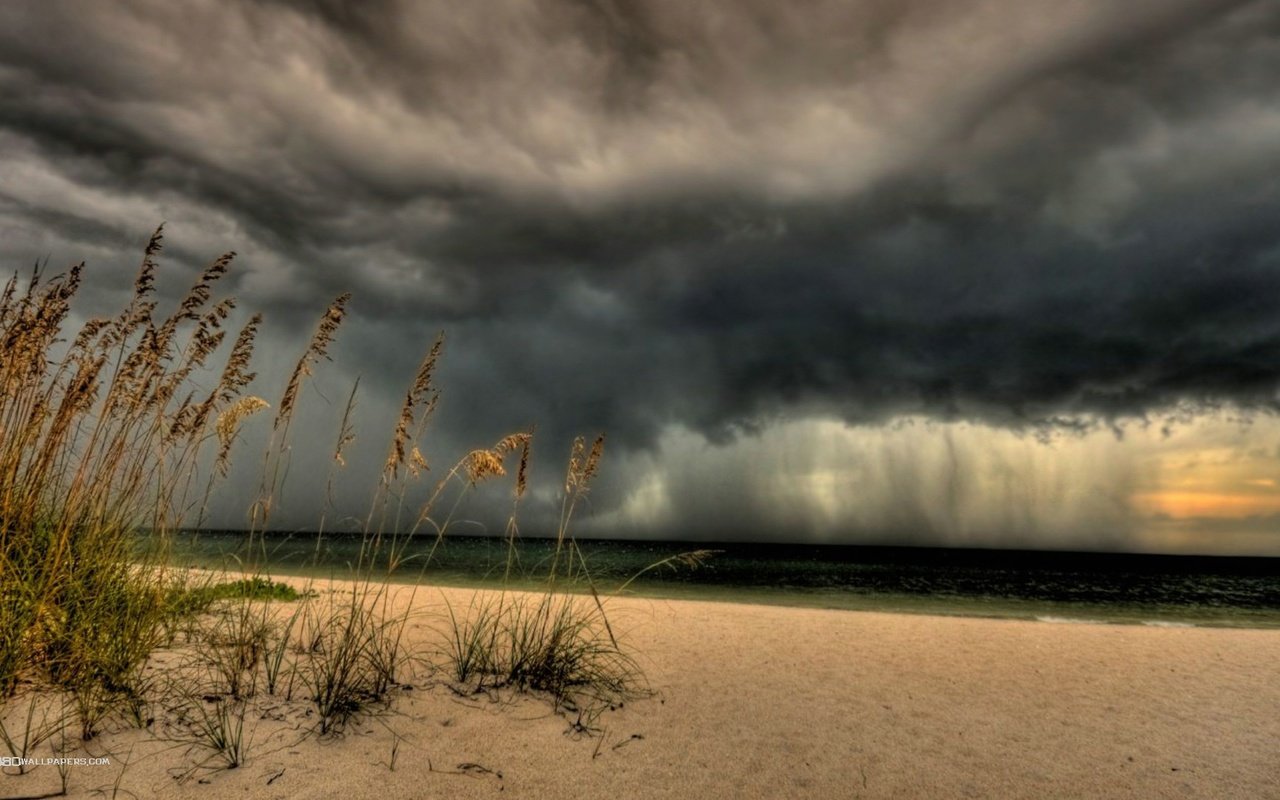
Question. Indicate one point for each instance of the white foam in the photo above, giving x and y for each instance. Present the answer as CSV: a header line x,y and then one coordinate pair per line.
x,y
1159,623
1069,620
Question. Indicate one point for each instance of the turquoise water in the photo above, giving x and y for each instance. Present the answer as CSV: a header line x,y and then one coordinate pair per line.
x,y
1052,587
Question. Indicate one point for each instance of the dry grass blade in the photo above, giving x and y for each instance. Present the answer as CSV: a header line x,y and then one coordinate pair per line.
x,y
420,395
228,425
522,472
692,559
316,350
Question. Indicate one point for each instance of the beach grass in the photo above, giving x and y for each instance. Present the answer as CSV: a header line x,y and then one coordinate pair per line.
x,y
107,435
100,436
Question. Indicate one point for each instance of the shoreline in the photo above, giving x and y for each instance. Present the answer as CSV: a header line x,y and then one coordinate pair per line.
x,y
910,605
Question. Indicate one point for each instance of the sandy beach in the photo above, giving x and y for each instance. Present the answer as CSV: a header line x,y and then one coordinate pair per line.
x,y
764,702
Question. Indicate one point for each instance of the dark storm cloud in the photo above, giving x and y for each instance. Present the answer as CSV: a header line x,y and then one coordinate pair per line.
x,y
637,215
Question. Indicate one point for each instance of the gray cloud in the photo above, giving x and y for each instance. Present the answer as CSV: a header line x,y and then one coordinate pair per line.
x,y
717,216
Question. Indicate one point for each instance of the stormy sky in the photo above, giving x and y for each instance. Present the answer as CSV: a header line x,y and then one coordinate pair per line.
x,y
979,272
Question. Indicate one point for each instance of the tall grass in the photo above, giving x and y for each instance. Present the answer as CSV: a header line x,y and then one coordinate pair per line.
x,y
556,642
100,437
117,430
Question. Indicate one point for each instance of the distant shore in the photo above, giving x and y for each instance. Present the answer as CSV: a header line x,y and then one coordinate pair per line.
x,y
756,701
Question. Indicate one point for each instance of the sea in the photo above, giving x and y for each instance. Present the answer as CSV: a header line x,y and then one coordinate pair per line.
x,y
1051,587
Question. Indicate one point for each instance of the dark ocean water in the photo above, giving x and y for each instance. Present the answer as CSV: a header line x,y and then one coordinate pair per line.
x,y
1050,586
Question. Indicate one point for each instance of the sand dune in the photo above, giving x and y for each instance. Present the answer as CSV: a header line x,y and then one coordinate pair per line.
x,y
765,702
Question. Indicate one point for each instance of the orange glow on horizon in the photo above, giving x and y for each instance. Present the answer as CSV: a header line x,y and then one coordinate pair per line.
x,y
1182,504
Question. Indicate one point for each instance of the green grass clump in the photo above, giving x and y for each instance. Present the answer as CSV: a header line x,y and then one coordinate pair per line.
x,y
256,588
352,659
553,642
